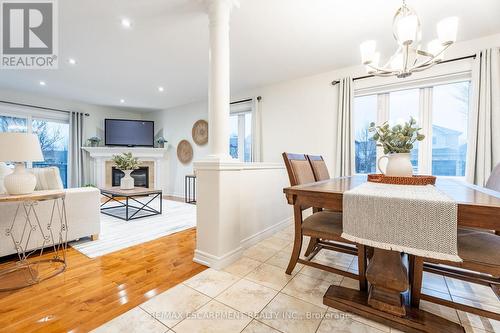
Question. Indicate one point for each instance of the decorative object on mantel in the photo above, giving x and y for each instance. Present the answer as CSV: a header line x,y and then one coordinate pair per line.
x,y
127,163
20,148
94,141
161,142
413,180
409,57
397,142
184,152
200,132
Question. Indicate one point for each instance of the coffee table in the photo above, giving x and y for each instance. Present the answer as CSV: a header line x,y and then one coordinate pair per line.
x,y
130,208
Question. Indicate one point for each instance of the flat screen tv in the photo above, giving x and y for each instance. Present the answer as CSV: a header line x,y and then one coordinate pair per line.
x,y
130,133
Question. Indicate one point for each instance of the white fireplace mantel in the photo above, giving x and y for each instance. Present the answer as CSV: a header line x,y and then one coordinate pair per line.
x,y
99,156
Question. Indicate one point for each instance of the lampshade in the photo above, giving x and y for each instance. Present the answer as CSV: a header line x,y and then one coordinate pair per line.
x,y
407,28
447,30
20,147
367,49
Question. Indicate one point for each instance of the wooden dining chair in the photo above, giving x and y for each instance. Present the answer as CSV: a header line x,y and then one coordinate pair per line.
x,y
325,226
320,172
480,252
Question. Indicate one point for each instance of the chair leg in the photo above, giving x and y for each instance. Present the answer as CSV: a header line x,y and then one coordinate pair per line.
x,y
297,243
416,276
312,245
363,285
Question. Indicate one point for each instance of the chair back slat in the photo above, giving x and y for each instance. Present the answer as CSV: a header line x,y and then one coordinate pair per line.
x,y
319,167
493,182
298,168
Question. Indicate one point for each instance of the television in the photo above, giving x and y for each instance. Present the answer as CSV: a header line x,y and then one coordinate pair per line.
x,y
130,133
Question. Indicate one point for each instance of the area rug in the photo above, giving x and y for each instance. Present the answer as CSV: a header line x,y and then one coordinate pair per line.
x,y
117,234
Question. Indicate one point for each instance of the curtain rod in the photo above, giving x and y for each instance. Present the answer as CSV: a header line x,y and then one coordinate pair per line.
x,y
39,107
473,56
259,98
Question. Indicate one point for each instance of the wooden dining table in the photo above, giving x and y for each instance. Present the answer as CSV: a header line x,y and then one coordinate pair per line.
x,y
387,299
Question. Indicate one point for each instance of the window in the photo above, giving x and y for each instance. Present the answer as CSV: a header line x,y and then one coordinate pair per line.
x,y
52,131
54,139
445,107
240,138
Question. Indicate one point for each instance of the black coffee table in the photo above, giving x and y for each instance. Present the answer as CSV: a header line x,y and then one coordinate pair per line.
x,y
130,208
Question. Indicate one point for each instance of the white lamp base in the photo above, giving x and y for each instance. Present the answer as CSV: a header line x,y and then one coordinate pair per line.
x,y
20,182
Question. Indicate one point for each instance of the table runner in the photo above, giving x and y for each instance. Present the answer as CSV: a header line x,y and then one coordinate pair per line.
x,y
418,220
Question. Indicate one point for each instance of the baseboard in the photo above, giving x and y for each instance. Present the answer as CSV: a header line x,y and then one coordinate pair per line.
x,y
215,262
218,262
266,233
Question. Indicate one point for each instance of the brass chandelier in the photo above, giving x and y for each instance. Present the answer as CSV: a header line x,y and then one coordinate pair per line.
x,y
409,57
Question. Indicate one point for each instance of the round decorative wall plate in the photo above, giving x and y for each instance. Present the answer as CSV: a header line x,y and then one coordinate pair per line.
x,y
184,151
200,132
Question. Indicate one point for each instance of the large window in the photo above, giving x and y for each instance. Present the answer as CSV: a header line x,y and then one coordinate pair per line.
x,y
441,110
240,139
53,134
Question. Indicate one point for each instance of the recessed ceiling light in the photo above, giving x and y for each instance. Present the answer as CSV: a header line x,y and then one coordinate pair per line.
x,y
43,83
161,89
72,61
122,101
126,23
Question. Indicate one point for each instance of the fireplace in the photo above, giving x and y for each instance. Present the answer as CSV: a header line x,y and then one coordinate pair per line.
x,y
141,176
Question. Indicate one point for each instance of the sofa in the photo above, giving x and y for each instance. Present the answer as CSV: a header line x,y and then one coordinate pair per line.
x,y
82,211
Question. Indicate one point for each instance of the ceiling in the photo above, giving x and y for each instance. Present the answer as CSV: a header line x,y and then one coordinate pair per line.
x,y
271,41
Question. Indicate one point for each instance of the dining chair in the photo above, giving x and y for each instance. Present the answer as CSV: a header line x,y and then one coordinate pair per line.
x,y
480,252
320,172
325,226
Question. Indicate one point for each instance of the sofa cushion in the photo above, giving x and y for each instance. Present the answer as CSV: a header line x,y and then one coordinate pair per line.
x,y
47,179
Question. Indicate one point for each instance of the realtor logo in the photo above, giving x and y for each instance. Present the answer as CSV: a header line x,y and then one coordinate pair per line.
x,y
29,34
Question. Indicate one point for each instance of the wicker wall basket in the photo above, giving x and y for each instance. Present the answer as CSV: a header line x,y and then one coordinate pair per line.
x,y
414,180
184,152
200,132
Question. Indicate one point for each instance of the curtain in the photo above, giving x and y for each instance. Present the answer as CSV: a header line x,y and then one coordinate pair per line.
x,y
76,154
344,146
257,130
484,122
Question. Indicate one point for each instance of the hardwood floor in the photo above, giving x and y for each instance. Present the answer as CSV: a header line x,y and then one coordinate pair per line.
x,y
93,291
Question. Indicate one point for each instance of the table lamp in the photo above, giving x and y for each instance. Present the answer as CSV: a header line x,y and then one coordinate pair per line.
x,y
20,148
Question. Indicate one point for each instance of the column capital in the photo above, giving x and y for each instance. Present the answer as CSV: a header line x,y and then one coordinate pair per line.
x,y
213,6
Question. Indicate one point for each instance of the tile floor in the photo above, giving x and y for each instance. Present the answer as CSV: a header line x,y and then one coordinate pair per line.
x,y
255,295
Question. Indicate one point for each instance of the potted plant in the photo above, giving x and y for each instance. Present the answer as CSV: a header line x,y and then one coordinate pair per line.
x,y
94,141
397,142
126,163
161,142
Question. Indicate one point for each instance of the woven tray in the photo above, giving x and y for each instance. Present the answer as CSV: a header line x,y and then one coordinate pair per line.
x,y
414,180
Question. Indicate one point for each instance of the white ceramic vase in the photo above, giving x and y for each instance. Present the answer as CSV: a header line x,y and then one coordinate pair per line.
x,y
127,182
398,165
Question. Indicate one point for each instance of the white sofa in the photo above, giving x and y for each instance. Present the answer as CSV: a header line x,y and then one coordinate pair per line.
x,y
82,210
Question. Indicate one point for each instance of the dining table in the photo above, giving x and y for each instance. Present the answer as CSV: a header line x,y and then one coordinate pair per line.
x,y
388,298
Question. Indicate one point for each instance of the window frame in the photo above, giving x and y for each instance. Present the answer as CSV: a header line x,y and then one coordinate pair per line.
x,y
241,110
425,87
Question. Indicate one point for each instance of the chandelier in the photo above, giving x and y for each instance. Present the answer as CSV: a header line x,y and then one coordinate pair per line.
x,y
409,57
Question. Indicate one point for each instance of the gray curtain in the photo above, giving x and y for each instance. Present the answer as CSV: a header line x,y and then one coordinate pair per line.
x,y
76,154
484,122
344,146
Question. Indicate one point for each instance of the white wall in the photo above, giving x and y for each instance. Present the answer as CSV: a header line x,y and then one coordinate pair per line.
x,y
297,115
94,123
175,125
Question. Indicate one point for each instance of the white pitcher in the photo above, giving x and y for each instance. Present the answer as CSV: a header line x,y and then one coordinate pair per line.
x,y
398,165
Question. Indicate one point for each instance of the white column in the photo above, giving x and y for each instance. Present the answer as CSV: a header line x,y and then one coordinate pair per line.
x,y
219,12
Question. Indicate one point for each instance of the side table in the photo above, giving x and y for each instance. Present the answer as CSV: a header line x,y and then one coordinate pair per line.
x,y
33,266
190,189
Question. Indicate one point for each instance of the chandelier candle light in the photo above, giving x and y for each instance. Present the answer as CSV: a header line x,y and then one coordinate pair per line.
x,y
409,57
